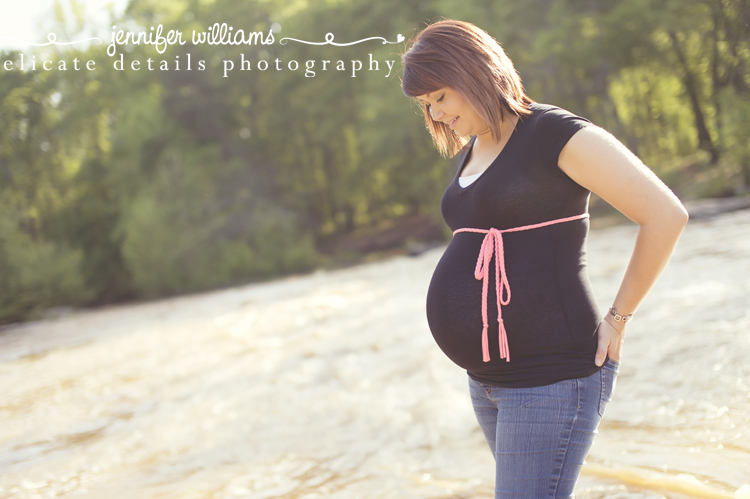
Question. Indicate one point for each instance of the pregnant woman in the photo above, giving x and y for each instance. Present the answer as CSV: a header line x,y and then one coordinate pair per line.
x,y
510,300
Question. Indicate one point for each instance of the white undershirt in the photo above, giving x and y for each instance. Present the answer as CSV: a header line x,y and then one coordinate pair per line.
x,y
467,180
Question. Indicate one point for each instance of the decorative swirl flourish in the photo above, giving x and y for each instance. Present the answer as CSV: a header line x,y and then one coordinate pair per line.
x,y
51,40
329,40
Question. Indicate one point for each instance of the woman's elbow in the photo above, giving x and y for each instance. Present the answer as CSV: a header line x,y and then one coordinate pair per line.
x,y
684,215
675,216
666,216
673,212
680,214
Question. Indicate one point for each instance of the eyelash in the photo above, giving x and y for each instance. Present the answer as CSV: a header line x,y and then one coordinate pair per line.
x,y
430,107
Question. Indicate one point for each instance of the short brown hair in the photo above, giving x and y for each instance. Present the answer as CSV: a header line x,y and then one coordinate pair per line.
x,y
461,56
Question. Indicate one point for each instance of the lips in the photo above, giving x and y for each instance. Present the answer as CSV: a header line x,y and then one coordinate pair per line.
x,y
452,123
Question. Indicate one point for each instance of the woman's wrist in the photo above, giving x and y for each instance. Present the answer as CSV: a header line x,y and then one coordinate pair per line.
x,y
617,320
617,326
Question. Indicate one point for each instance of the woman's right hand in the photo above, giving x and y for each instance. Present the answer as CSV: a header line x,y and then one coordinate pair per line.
x,y
610,341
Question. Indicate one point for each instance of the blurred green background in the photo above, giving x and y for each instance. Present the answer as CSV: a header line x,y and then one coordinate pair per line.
x,y
129,185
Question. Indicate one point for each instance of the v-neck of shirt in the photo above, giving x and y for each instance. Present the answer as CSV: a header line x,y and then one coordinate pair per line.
x,y
478,176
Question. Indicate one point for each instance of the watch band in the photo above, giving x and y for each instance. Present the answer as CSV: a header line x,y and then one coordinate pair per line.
x,y
618,317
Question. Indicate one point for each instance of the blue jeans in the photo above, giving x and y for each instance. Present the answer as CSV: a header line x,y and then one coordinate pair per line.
x,y
540,436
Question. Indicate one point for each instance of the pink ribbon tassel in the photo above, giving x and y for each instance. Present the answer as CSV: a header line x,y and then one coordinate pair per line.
x,y
493,243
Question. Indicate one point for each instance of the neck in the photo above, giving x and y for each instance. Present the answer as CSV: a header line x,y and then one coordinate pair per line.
x,y
485,140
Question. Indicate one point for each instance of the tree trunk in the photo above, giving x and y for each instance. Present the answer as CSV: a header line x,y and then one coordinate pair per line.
x,y
716,80
704,137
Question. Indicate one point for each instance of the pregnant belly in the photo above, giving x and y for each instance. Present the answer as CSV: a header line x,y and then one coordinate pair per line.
x,y
535,319
454,307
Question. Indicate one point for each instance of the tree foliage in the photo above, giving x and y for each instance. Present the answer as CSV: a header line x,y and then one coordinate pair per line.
x,y
132,184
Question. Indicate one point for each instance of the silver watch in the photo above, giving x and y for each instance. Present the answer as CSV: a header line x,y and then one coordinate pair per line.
x,y
618,317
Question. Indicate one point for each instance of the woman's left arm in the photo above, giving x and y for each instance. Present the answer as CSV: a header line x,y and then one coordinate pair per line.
x,y
599,162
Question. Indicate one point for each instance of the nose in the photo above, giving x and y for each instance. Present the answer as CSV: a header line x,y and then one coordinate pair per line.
x,y
436,114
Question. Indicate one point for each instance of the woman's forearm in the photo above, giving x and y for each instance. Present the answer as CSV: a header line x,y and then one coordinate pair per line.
x,y
654,246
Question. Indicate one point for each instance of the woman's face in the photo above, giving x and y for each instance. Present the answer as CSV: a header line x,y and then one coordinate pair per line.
x,y
450,107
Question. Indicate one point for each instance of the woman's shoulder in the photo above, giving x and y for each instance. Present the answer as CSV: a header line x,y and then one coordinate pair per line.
x,y
550,127
548,119
541,108
550,112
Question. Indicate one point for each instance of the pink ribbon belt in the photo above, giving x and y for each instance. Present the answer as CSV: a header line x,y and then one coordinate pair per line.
x,y
493,241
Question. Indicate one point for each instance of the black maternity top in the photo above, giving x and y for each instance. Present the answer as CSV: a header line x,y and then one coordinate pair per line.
x,y
552,316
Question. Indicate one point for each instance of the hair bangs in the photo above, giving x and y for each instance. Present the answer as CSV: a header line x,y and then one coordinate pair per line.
x,y
419,78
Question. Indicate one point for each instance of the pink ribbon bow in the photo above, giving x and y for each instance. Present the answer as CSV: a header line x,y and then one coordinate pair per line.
x,y
493,243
